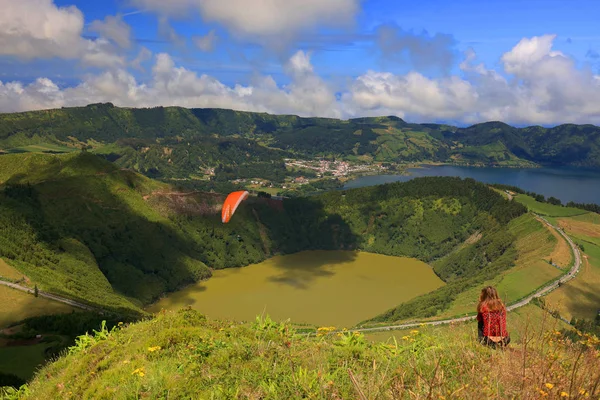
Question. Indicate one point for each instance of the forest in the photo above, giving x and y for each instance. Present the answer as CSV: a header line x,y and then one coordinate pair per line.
x,y
81,227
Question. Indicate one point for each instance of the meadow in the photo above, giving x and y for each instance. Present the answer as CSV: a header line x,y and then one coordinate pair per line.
x,y
579,298
16,306
535,244
547,209
186,355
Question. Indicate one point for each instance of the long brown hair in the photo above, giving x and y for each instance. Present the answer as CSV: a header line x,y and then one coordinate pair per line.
x,y
490,298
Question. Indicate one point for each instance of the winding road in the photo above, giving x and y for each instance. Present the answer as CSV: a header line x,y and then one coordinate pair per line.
x,y
540,292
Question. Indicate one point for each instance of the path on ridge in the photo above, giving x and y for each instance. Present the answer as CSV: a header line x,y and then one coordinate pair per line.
x,y
540,292
50,296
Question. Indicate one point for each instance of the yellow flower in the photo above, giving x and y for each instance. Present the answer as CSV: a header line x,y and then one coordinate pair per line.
x,y
153,349
582,391
542,393
405,337
126,362
549,385
564,394
414,331
139,372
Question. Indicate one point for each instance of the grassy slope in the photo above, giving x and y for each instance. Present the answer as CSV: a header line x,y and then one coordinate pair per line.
x,y
579,298
9,273
534,244
546,209
185,356
16,306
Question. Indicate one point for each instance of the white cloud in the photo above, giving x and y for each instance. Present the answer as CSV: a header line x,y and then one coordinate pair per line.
x,y
545,87
115,29
260,18
39,29
143,56
207,42
173,85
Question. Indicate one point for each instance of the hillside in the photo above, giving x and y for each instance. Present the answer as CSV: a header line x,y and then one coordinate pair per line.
x,y
80,227
185,355
174,142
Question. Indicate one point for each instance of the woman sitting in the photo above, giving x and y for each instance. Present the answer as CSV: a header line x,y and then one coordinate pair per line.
x,y
491,319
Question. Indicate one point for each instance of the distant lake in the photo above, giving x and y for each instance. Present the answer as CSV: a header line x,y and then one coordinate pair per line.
x,y
325,288
566,184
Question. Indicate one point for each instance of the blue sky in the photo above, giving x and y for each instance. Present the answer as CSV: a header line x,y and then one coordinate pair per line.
x,y
351,57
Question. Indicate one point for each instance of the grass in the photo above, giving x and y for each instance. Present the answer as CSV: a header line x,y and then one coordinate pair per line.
x,y
548,209
579,297
518,321
42,148
184,355
23,361
8,272
534,243
16,306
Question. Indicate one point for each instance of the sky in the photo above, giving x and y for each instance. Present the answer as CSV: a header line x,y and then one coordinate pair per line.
x,y
463,62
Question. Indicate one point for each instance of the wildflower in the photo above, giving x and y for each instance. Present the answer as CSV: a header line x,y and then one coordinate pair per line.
x,y
582,391
405,337
154,348
564,394
139,372
414,331
544,394
549,385
120,324
126,362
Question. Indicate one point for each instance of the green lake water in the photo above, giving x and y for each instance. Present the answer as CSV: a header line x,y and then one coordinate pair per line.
x,y
325,288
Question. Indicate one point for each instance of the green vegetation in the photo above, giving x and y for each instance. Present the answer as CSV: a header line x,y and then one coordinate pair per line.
x,y
546,209
174,142
185,355
16,306
112,238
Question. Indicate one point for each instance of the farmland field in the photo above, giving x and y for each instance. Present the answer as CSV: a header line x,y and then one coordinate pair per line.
x,y
580,298
548,209
8,272
338,288
16,306
23,361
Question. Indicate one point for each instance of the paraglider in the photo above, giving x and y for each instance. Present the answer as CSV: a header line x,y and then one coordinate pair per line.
x,y
231,204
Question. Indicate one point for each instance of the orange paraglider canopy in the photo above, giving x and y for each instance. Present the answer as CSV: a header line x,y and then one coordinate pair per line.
x,y
231,204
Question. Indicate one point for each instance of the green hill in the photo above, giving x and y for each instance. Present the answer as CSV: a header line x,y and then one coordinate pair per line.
x,y
184,355
78,226
174,142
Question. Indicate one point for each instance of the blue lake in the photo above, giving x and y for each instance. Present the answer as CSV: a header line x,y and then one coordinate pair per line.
x,y
566,184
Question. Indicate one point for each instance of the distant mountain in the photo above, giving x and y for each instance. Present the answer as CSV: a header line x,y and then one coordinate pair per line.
x,y
176,142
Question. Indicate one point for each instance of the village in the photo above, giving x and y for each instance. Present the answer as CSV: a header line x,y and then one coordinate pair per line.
x,y
334,168
316,170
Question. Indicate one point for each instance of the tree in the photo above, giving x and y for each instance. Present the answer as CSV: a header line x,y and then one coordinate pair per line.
x,y
36,292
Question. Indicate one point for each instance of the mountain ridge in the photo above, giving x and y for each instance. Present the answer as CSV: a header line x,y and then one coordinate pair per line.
x,y
164,141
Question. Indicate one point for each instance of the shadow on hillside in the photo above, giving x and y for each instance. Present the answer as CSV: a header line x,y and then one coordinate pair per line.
x,y
305,225
141,254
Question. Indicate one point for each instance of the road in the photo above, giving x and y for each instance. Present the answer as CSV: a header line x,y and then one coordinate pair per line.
x,y
51,296
540,292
